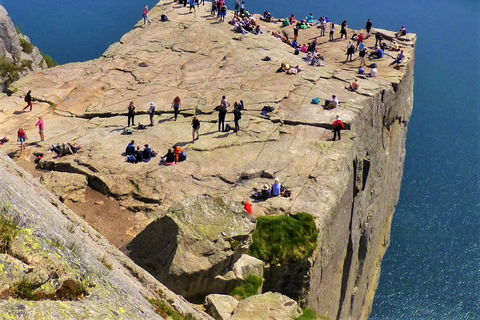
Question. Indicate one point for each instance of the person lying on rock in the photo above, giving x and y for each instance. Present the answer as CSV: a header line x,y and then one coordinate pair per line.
x,y
65,149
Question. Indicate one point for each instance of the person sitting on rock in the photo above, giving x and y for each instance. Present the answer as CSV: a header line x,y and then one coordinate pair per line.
x,y
373,71
377,53
394,46
179,154
138,154
276,188
399,58
130,148
147,153
331,104
354,86
265,192
361,70
4,140
169,158
401,32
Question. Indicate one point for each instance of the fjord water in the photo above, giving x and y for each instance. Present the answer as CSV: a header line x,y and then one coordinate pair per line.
x,y
432,268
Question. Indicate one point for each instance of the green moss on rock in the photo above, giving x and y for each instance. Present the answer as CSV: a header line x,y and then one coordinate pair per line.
x,y
284,239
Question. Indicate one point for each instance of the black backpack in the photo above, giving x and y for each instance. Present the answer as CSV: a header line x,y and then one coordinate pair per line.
x,y
164,18
228,128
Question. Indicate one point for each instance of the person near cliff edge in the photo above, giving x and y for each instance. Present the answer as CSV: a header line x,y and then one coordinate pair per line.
x,y
331,104
145,16
131,113
337,126
28,99
399,58
41,126
276,188
368,27
151,113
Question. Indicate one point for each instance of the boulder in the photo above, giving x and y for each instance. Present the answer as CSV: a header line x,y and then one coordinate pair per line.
x,y
220,306
197,240
67,186
243,267
267,306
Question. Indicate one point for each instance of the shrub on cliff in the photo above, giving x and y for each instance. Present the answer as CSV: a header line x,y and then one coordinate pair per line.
x,y
284,239
27,47
249,287
49,60
10,71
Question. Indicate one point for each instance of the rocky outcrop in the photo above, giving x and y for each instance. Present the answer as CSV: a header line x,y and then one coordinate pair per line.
x,y
53,265
198,240
67,186
16,47
263,306
350,186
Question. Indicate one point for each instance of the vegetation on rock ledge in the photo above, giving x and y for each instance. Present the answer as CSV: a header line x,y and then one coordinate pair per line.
x,y
249,287
163,309
284,239
8,228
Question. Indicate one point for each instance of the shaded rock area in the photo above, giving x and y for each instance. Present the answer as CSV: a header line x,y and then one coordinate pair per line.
x,y
350,186
53,265
198,240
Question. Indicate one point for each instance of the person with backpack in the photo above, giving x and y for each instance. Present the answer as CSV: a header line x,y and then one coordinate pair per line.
x,y
28,99
131,113
337,126
151,113
223,12
176,104
22,137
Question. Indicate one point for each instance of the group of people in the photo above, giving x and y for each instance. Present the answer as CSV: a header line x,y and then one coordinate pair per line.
x,y
131,111
136,154
274,190
222,109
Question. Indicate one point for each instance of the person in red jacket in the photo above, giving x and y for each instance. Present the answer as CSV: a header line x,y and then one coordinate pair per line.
x,y
337,126
247,206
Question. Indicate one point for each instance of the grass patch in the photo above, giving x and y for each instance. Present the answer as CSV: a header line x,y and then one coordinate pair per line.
x,y
19,28
165,310
249,287
26,290
309,314
284,239
8,228
27,47
49,60
27,64
105,262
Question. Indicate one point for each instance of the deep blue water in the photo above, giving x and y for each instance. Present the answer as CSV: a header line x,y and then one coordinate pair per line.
x,y
432,269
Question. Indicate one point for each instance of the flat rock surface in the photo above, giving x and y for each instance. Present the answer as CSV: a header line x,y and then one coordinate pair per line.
x,y
200,59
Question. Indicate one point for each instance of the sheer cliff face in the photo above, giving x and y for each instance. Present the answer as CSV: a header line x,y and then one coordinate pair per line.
x,y
347,269
16,48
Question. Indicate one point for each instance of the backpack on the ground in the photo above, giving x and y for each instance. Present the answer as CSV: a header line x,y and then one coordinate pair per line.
x,y
131,159
183,156
127,131
227,127
316,101
141,127
164,18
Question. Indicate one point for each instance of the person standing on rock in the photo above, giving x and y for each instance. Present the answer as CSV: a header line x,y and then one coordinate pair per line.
x,y
362,52
223,12
131,113
192,6
343,30
368,27
176,105
41,127
145,16
337,126
28,99
22,137
237,115
151,113
332,31
195,128
222,112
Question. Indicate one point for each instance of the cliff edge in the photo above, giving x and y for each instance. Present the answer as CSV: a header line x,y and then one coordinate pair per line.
x,y
351,186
